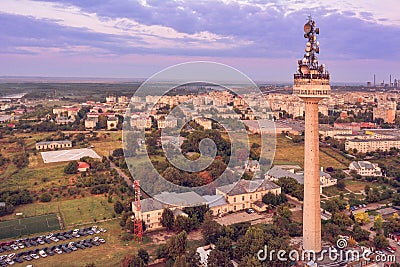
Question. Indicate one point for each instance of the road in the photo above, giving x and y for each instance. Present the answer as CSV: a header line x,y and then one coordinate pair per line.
x,y
127,179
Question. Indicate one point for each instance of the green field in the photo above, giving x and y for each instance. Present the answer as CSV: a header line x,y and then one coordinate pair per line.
x,y
31,225
288,152
73,211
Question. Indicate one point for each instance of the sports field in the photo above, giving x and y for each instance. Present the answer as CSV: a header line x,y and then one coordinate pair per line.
x,y
68,155
30,225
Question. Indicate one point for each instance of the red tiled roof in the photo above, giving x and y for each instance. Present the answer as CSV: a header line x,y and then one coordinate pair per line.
x,y
83,165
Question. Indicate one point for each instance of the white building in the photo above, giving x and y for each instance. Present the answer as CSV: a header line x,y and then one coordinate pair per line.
x,y
365,168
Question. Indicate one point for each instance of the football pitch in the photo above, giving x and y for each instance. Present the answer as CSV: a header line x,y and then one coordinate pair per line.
x,y
31,225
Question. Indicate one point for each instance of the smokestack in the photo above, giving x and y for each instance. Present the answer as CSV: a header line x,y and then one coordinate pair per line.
x,y
390,80
374,81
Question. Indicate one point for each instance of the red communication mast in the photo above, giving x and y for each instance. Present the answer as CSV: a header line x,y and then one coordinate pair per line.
x,y
137,227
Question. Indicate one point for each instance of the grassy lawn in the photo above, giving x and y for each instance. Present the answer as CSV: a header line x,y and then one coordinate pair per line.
x,y
35,176
74,211
332,191
358,186
288,152
107,143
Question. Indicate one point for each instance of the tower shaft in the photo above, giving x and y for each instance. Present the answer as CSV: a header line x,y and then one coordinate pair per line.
x,y
311,83
311,204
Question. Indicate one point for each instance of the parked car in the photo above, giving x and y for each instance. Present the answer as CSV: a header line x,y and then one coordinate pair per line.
x,y
58,251
43,254
34,256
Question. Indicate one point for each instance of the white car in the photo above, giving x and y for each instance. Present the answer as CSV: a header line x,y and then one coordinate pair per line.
x,y
49,235
2,257
10,256
96,238
55,239
43,254
101,240
9,261
14,247
35,256
58,251
20,245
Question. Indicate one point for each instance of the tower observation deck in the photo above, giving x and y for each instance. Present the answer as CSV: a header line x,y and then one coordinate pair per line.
x,y
311,83
311,79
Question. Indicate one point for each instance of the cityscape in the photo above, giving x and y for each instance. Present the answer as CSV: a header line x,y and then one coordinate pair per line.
x,y
232,134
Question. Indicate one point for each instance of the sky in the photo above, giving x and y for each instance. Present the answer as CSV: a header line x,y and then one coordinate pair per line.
x,y
135,39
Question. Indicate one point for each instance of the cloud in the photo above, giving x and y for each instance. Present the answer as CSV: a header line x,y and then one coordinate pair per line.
x,y
350,30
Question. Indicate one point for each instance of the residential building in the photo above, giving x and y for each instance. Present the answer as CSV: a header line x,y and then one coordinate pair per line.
x,y
243,194
371,145
277,172
365,168
152,208
112,123
205,123
91,122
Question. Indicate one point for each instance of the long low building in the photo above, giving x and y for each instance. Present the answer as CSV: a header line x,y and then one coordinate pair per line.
x,y
53,144
371,145
228,198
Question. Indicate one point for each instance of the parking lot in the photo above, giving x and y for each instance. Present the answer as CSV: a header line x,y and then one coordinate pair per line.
x,y
31,249
243,216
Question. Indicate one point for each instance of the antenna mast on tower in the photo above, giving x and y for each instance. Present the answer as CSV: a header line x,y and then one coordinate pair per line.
x,y
137,226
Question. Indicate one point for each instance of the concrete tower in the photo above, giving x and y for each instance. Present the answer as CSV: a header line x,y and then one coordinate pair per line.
x,y
311,83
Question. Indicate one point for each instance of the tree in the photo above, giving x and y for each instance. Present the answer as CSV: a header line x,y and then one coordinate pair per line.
x,y
167,219
360,234
225,244
118,207
119,152
180,261
210,230
45,197
341,184
341,220
361,218
380,241
284,211
218,258
72,167
378,223
143,255
182,223
177,244
274,200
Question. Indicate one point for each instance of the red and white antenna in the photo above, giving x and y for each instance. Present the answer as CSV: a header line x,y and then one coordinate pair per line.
x,y
137,226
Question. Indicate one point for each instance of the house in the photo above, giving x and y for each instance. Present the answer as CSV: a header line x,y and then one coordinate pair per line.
x,y
365,168
152,208
170,122
53,144
112,123
83,166
277,172
243,194
91,122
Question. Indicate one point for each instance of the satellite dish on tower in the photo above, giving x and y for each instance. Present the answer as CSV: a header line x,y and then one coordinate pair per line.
x,y
307,28
305,69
